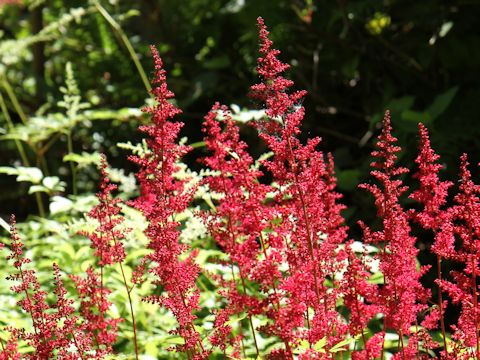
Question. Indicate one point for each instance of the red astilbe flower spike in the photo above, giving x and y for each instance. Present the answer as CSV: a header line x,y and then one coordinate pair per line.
x,y
69,331
311,224
94,305
9,351
107,240
402,297
162,196
107,237
360,297
464,288
240,217
432,194
34,302
56,330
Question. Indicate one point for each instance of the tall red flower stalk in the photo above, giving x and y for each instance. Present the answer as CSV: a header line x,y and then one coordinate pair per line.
x,y
94,304
360,296
9,351
56,330
311,224
402,296
162,196
109,250
432,194
241,217
459,240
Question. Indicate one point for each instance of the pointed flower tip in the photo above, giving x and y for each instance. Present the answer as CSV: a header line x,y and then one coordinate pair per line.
x,y
387,118
156,58
263,34
464,161
423,132
103,160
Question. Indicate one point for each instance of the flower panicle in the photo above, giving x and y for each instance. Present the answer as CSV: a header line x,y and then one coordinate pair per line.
x,y
107,237
402,297
56,328
162,196
311,225
432,192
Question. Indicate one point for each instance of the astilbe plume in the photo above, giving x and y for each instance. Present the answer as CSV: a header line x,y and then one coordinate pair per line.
x,y
162,196
432,192
107,237
402,297
94,305
241,218
464,225
434,215
57,331
233,225
107,240
9,351
306,202
69,331
360,297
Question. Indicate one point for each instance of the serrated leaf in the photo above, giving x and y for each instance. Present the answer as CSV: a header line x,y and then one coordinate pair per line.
x,y
24,173
83,159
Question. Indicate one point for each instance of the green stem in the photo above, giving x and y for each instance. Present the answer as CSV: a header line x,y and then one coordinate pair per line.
x,y
440,304
10,125
132,313
72,165
14,100
133,55
21,151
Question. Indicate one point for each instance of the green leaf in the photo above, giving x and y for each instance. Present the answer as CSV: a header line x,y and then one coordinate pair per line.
x,y
151,349
235,320
60,204
340,346
442,102
37,188
376,278
4,224
83,159
320,344
29,174
302,346
348,179
173,340
416,116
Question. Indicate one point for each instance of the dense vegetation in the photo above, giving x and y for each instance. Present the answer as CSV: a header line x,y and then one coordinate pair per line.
x,y
73,77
